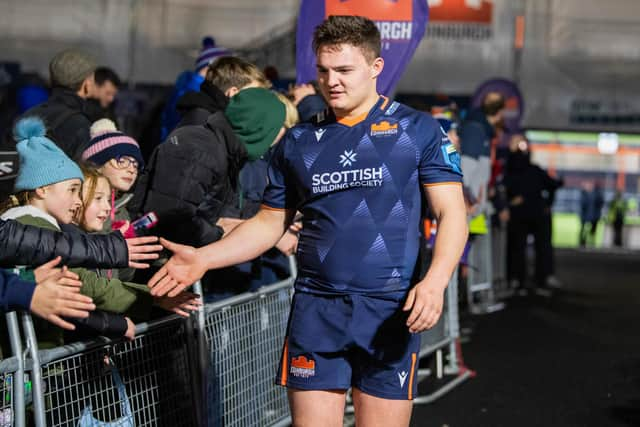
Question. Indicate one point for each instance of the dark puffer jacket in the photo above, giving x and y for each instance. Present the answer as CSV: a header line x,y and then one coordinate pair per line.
x,y
191,181
25,245
68,119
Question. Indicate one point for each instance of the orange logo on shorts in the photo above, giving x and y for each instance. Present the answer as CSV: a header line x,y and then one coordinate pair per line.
x,y
379,10
303,367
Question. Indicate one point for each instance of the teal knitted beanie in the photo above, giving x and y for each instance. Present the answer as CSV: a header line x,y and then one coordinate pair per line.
x,y
41,161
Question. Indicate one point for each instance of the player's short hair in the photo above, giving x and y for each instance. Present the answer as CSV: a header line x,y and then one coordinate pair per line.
x,y
357,31
492,103
229,71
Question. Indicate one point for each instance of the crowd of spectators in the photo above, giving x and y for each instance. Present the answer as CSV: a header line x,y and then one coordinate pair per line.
x,y
82,208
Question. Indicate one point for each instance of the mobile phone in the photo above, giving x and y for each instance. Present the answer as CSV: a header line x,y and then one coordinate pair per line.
x,y
145,222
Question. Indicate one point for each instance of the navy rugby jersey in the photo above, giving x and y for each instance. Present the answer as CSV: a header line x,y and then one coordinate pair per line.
x,y
358,186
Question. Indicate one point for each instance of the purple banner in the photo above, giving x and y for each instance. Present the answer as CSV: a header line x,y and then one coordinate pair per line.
x,y
401,23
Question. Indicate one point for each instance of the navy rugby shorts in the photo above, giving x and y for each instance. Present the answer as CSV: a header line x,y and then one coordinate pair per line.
x,y
342,341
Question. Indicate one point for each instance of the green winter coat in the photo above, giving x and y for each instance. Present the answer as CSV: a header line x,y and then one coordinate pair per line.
x,y
116,296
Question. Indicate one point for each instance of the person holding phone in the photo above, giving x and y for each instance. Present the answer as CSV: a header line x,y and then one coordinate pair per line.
x,y
117,157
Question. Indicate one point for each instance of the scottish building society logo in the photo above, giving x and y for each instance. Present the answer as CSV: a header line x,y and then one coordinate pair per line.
x,y
348,158
349,178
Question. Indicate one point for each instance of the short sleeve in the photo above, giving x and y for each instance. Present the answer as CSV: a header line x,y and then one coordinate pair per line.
x,y
280,192
439,160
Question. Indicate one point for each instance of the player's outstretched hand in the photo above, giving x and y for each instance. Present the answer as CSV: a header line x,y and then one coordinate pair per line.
x,y
181,271
142,249
425,303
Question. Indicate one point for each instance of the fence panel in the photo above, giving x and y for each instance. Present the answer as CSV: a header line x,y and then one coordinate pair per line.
x,y
481,295
154,369
245,336
6,394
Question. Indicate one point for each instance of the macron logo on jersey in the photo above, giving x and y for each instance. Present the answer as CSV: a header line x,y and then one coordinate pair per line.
x,y
319,134
348,158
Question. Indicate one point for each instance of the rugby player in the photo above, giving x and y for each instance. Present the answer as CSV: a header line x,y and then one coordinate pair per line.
x,y
358,174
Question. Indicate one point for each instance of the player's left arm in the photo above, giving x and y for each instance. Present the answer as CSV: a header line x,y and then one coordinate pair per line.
x,y
426,299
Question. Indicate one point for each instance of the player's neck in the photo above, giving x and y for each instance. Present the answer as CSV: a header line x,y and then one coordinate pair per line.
x,y
361,110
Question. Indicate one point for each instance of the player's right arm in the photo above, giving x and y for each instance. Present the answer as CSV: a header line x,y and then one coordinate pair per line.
x,y
247,241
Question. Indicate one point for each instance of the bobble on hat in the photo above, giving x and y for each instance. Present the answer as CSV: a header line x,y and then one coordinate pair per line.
x,y
41,161
29,127
208,41
107,143
102,126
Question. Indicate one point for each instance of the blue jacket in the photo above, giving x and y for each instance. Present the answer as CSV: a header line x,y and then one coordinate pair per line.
x,y
476,134
187,81
15,293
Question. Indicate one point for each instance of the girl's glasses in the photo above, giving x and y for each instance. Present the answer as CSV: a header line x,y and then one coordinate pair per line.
x,y
124,162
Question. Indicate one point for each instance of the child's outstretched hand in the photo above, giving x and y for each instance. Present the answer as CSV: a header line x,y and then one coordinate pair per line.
x,y
182,304
64,276
52,300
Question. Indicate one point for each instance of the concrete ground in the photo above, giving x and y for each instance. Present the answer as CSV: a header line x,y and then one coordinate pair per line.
x,y
569,360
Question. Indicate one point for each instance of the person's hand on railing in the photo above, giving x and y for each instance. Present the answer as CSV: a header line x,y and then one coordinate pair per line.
x,y
182,304
142,249
130,334
58,295
184,268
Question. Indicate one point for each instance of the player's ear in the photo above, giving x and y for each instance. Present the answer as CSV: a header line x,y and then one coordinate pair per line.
x,y
376,67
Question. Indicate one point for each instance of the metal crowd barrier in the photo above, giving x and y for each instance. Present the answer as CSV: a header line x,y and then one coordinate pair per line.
x,y
442,341
245,336
75,381
481,294
499,257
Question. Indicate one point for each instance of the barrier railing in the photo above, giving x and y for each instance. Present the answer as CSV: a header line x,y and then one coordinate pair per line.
x,y
499,257
76,385
481,295
12,375
215,368
244,337
442,341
